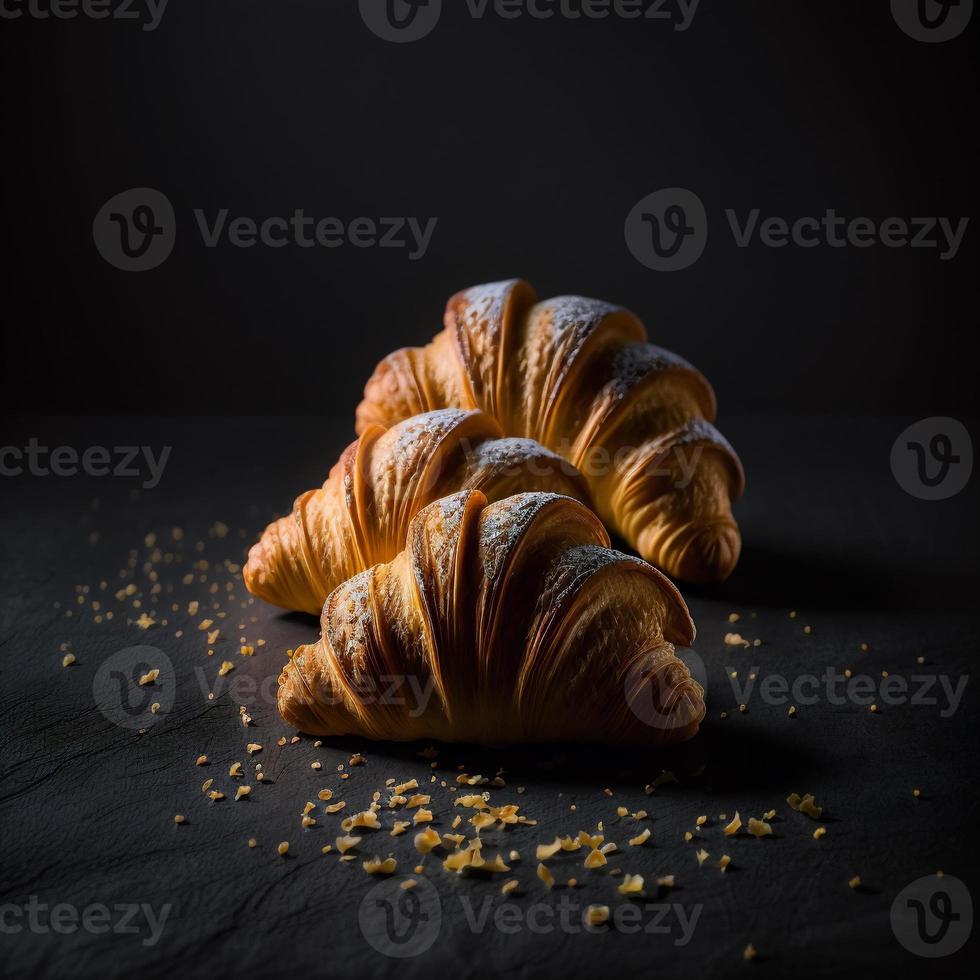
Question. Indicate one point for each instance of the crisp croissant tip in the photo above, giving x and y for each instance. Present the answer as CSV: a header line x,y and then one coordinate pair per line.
x,y
254,571
711,553
294,698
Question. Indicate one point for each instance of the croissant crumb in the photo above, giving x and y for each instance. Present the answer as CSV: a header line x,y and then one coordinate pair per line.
x,y
597,915
631,885
427,840
804,804
375,866
366,818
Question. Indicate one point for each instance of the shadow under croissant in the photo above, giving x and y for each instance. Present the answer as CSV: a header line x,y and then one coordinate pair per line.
x,y
307,620
720,758
776,576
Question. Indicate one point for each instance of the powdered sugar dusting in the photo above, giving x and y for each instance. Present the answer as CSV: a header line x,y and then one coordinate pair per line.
x,y
413,435
486,302
572,569
401,457
435,536
700,430
512,451
347,619
503,523
480,318
633,362
578,313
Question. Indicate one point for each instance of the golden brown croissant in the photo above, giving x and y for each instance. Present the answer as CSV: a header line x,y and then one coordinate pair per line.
x,y
577,375
360,516
500,623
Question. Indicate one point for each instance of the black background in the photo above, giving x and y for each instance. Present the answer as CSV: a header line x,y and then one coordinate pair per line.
x,y
529,140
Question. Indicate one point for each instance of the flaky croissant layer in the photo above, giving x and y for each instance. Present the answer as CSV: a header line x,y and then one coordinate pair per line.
x,y
361,514
500,623
578,376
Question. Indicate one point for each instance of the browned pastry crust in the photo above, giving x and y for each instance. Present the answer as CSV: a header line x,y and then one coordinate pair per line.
x,y
500,623
578,376
361,514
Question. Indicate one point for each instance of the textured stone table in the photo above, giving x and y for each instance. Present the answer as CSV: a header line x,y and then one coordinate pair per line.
x,y
90,851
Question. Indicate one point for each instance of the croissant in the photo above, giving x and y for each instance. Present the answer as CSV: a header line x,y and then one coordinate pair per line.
x,y
361,514
577,375
500,623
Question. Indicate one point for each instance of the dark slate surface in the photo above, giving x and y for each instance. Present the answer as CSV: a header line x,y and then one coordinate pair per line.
x,y
87,805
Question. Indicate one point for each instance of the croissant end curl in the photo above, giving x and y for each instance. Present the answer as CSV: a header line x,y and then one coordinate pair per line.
x,y
578,376
500,623
360,516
